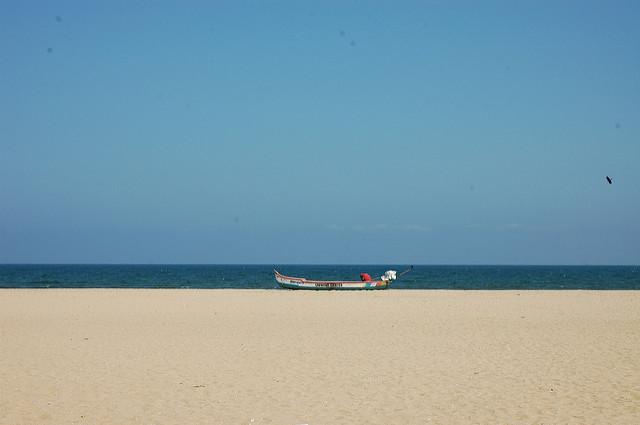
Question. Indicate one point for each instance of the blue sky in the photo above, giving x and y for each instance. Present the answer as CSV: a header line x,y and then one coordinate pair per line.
x,y
284,132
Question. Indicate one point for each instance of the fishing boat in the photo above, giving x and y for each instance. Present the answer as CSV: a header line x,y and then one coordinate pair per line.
x,y
365,282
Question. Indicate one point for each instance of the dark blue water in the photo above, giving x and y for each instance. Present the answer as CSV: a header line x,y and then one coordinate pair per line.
x,y
261,276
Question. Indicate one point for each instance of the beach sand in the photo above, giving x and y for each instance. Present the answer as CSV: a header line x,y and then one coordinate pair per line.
x,y
118,356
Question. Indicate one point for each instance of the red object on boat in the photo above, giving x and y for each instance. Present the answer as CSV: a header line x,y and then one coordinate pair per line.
x,y
365,277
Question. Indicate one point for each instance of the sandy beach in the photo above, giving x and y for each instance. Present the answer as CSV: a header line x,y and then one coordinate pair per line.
x,y
113,356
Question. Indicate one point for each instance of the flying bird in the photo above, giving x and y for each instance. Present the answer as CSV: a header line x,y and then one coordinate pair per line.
x,y
608,179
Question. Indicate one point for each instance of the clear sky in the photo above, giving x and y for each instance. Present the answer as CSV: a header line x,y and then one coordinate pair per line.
x,y
277,132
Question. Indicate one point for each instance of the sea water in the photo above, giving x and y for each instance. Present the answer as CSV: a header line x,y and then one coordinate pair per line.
x,y
262,276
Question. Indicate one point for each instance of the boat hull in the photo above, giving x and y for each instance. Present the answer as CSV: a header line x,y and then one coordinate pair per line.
x,y
301,283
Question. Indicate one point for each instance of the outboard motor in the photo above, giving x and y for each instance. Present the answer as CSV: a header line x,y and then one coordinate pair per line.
x,y
389,276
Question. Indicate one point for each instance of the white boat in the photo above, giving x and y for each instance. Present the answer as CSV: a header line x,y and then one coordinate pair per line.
x,y
365,282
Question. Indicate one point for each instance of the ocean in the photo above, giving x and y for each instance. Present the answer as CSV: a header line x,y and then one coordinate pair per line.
x,y
262,277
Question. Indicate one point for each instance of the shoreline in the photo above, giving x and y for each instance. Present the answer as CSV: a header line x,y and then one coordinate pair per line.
x,y
315,357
